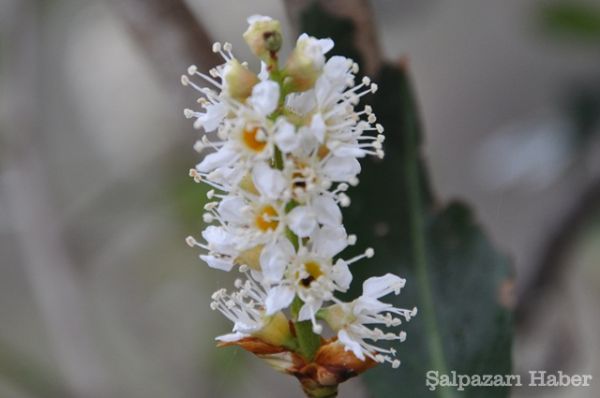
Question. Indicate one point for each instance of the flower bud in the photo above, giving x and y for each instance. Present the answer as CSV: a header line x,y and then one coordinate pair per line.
x,y
337,316
264,37
304,65
239,81
277,331
250,257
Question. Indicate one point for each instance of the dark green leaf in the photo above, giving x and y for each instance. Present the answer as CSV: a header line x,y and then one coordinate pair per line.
x,y
454,275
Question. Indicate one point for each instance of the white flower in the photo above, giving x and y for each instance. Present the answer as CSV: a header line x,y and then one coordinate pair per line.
x,y
264,98
282,150
313,49
245,308
309,272
353,321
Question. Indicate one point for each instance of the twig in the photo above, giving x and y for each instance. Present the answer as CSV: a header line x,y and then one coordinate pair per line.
x,y
169,33
551,264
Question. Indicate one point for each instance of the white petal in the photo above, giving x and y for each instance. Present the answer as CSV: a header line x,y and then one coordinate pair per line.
x,y
269,182
302,221
223,157
278,298
264,98
301,103
327,211
286,137
309,310
336,68
350,344
252,19
231,337
379,286
307,142
326,45
213,116
341,275
217,263
219,239
317,127
230,209
329,241
274,258
341,169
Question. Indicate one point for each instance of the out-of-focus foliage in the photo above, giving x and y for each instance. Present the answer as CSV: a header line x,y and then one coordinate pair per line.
x,y
454,275
572,20
30,376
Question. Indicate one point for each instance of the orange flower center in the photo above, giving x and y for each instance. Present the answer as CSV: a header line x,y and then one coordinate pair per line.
x,y
314,272
265,219
251,141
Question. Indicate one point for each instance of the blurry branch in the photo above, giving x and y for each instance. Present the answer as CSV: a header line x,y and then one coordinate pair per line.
x,y
56,287
361,15
169,34
552,263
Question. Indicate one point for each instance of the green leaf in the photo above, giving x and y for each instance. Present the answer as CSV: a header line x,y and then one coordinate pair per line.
x,y
454,275
572,20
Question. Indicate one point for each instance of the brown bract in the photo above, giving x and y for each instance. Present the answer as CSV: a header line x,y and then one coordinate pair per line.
x,y
320,377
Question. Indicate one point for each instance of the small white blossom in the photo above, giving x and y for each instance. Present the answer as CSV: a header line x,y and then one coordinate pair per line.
x,y
354,321
280,152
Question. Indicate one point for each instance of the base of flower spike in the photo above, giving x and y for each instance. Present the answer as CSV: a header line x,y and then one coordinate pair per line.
x,y
320,378
320,392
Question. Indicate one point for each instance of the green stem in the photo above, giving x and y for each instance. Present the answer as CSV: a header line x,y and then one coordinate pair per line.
x,y
417,229
308,341
322,392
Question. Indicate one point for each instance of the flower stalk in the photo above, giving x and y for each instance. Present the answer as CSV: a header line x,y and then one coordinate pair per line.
x,y
283,149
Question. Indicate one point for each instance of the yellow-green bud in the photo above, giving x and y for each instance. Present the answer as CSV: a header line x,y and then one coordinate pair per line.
x,y
306,62
264,37
276,331
239,80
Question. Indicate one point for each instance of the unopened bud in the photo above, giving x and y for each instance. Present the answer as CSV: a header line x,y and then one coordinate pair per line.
x,y
239,80
306,61
263,36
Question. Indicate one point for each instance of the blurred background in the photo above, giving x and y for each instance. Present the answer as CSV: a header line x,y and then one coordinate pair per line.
x,y
100,296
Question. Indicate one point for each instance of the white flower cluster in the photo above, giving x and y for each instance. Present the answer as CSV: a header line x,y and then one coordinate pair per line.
x,y
283,149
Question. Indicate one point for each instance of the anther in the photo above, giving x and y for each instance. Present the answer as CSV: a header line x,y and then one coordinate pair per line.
x,y
216,47
192,69
191,242
370,252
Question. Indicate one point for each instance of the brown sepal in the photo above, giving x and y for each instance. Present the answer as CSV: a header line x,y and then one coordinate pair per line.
x,y
254,345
